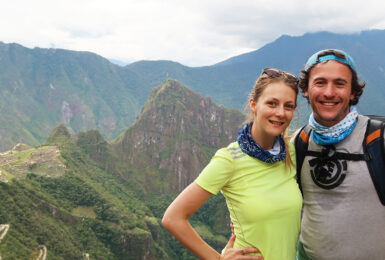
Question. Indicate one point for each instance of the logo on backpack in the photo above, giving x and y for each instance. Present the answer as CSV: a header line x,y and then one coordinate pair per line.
x,y
328,173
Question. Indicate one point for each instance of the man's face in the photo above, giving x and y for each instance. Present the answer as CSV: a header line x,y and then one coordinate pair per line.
x,y
330,91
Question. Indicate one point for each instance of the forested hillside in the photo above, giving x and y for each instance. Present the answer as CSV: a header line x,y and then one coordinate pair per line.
x,y
79,196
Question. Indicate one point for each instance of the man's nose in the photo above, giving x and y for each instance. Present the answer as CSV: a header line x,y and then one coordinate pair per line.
x,y
329,90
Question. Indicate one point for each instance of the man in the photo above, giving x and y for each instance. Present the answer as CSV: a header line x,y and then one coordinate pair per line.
x,y
343,217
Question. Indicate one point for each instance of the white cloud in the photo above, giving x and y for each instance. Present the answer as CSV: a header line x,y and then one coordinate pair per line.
x,y
194,33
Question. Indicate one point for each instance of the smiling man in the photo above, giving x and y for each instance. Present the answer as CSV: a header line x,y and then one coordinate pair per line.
x,y
330,92
343,217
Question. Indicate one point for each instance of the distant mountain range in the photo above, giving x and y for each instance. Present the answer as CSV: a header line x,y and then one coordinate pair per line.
x,y
43,87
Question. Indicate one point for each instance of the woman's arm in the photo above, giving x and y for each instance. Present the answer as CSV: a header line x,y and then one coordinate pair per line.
x,y
175,220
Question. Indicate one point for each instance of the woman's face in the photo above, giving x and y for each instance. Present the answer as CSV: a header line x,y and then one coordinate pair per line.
x,y
273,111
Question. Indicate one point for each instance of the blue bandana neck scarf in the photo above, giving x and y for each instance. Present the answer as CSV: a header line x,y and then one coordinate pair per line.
x,y
250,147
323,135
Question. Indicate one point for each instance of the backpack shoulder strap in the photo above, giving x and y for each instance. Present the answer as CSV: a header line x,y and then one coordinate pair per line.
x,y
374,146
301,143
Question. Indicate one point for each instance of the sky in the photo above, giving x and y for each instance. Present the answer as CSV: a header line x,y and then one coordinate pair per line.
x,y
193,33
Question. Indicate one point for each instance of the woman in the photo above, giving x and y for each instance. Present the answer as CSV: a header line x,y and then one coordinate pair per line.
x,y
256,175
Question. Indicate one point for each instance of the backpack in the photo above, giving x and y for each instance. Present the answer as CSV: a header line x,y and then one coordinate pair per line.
x,y
373,146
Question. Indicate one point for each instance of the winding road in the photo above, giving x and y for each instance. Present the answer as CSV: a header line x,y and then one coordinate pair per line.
x,y
42,253
4,229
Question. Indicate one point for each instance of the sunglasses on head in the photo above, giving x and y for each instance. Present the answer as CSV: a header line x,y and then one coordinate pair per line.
x,y
272,73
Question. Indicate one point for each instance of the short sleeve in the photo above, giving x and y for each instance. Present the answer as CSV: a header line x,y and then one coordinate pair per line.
x,y
217,173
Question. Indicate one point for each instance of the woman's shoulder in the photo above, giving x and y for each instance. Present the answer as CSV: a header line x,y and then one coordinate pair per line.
x,y
230,149
233,146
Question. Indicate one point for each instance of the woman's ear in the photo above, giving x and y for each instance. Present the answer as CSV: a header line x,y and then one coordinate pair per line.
x,y
252,105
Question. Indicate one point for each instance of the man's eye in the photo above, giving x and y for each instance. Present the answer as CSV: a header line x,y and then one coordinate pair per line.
x,y
340,83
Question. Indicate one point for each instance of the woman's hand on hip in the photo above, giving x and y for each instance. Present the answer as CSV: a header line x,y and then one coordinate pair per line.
x,y
232,253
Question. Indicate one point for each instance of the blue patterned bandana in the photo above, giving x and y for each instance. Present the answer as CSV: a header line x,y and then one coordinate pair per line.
x,y
250,147
323,135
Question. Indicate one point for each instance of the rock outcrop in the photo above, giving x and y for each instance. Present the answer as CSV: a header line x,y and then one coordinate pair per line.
x,y
174,137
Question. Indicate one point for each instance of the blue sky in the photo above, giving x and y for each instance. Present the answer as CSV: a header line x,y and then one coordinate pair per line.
x,y
194,33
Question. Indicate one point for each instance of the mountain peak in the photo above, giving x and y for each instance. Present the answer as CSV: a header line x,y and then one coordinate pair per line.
x,y
176,133
172,84
172,89
59,134
172,94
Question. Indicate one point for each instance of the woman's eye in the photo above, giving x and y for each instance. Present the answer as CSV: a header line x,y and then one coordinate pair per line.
x,y
272,103
290,107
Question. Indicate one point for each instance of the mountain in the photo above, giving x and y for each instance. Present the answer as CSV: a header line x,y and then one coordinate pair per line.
x,y
41,88
79,196
176,133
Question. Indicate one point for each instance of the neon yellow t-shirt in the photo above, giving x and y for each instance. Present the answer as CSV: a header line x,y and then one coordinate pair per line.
x,y
263,199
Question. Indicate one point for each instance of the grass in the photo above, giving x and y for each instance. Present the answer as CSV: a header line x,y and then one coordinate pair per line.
x,y
5,175
83,211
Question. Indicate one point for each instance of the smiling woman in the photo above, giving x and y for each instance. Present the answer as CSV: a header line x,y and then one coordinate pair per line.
x,y
272,106
257,178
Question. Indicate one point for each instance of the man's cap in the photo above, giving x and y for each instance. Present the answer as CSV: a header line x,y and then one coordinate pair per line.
x,y
314,59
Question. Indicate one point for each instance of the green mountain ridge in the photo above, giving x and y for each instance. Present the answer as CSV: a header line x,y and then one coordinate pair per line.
x,y
41,88
78,195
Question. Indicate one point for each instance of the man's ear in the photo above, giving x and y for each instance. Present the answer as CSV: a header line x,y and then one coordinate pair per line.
x,y
352,96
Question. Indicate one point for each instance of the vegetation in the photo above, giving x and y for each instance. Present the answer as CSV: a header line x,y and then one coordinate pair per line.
x,y
89,210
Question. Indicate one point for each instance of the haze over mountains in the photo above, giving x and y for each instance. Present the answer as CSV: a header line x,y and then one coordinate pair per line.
x,y
41,88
